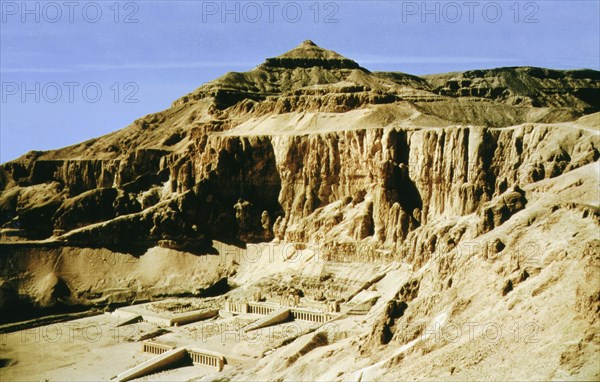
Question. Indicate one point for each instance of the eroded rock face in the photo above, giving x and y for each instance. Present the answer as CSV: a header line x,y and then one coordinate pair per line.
x,y
518,86
407,177
309,147
387,182
497,212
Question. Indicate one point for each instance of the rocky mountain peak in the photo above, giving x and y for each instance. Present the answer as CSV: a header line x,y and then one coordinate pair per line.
x,y
309,54
308,49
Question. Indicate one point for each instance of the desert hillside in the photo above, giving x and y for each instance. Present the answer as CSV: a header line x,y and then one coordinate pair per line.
x,y
450,222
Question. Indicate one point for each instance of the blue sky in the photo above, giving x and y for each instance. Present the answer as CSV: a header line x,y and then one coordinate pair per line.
x,y
77,71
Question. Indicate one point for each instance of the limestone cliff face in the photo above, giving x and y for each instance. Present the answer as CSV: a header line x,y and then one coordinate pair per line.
x,y
408,177
398,179
80,175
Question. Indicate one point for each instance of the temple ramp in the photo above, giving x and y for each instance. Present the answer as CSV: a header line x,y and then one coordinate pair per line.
x,y
277,317
153,365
